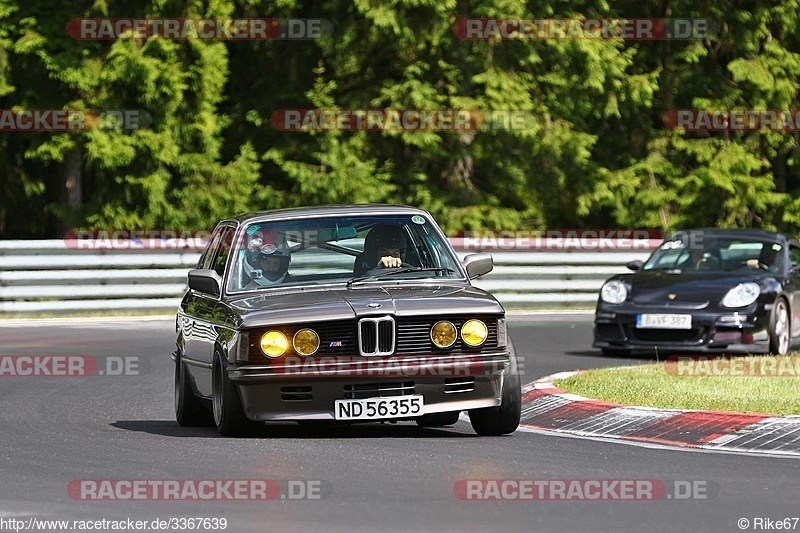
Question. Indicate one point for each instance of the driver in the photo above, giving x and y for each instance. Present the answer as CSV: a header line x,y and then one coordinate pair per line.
x,y
267,261
768,259
384,247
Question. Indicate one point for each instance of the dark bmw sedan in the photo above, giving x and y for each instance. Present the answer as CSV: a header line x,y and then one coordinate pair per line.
x,y
342,313
705,290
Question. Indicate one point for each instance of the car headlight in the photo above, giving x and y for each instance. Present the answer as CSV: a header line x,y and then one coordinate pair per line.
x,y
306,342
614,292
274,343
474,332
742,295
443,334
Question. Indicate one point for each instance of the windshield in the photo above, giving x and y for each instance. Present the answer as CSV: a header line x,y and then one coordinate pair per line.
x,y
713,253
338,249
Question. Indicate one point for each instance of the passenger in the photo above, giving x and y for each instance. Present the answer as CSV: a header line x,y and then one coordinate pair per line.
x,y
699,259
267,261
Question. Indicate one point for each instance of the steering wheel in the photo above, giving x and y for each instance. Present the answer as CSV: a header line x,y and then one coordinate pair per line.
x,y
402,265
379,269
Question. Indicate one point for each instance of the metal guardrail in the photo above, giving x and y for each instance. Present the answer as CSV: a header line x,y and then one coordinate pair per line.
x,y
48,277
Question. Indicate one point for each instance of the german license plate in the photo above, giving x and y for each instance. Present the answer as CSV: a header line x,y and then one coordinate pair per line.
x,y
378,408
664,321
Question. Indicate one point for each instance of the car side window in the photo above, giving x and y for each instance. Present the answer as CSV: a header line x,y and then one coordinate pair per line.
x,y
794,255
211,249
223,251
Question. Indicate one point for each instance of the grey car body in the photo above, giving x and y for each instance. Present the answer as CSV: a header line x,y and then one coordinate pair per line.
x,y
373,332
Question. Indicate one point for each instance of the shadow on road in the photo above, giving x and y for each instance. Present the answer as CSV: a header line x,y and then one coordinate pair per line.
x,y
600,359
635,356
289,430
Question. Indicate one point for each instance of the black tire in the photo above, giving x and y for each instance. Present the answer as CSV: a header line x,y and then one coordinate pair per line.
x,y
503,419
227,407
780,328
438,420
189,411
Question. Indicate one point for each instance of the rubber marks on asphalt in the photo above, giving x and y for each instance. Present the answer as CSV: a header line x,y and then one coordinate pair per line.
x,y
548,408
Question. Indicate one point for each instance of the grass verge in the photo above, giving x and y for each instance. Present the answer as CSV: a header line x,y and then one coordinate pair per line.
x,y
773,386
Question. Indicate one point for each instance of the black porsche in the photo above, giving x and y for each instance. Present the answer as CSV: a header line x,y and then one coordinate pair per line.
x,y
705,290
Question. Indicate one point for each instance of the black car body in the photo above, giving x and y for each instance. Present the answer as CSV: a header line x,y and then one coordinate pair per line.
x,y
337,336
705,290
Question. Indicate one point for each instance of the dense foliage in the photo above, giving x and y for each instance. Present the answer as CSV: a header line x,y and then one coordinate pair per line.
x,y
597,155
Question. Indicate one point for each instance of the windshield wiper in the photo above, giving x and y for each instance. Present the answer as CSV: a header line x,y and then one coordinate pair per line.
x,y
399,271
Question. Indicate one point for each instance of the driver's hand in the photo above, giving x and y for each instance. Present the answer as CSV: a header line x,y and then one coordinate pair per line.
x,y
390,262
752,263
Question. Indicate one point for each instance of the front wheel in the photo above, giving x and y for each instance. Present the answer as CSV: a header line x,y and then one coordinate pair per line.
x,y
229,414
779,329
504,418
188,409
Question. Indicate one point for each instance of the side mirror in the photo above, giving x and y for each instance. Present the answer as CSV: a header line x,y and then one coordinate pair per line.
x,y
635,265
205,280
477,265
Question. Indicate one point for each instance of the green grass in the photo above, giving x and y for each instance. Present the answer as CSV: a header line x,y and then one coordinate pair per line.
x,y
654,386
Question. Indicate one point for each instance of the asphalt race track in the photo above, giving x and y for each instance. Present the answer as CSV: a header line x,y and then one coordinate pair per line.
x,y
59,430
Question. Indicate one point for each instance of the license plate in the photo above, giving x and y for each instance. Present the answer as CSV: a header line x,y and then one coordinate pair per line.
x,y
664,321
378,408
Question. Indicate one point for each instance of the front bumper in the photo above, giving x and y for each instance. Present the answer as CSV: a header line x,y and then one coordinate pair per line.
x,y
745,329
309,391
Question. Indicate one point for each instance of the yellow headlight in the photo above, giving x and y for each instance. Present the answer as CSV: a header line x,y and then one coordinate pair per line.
x,y
474,332
306,342
274,343
443,334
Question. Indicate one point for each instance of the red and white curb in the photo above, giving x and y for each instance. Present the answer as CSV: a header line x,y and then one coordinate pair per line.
x,y
545,407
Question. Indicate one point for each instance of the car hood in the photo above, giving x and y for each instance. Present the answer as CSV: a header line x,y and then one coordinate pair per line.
x,y
686,287
311,304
